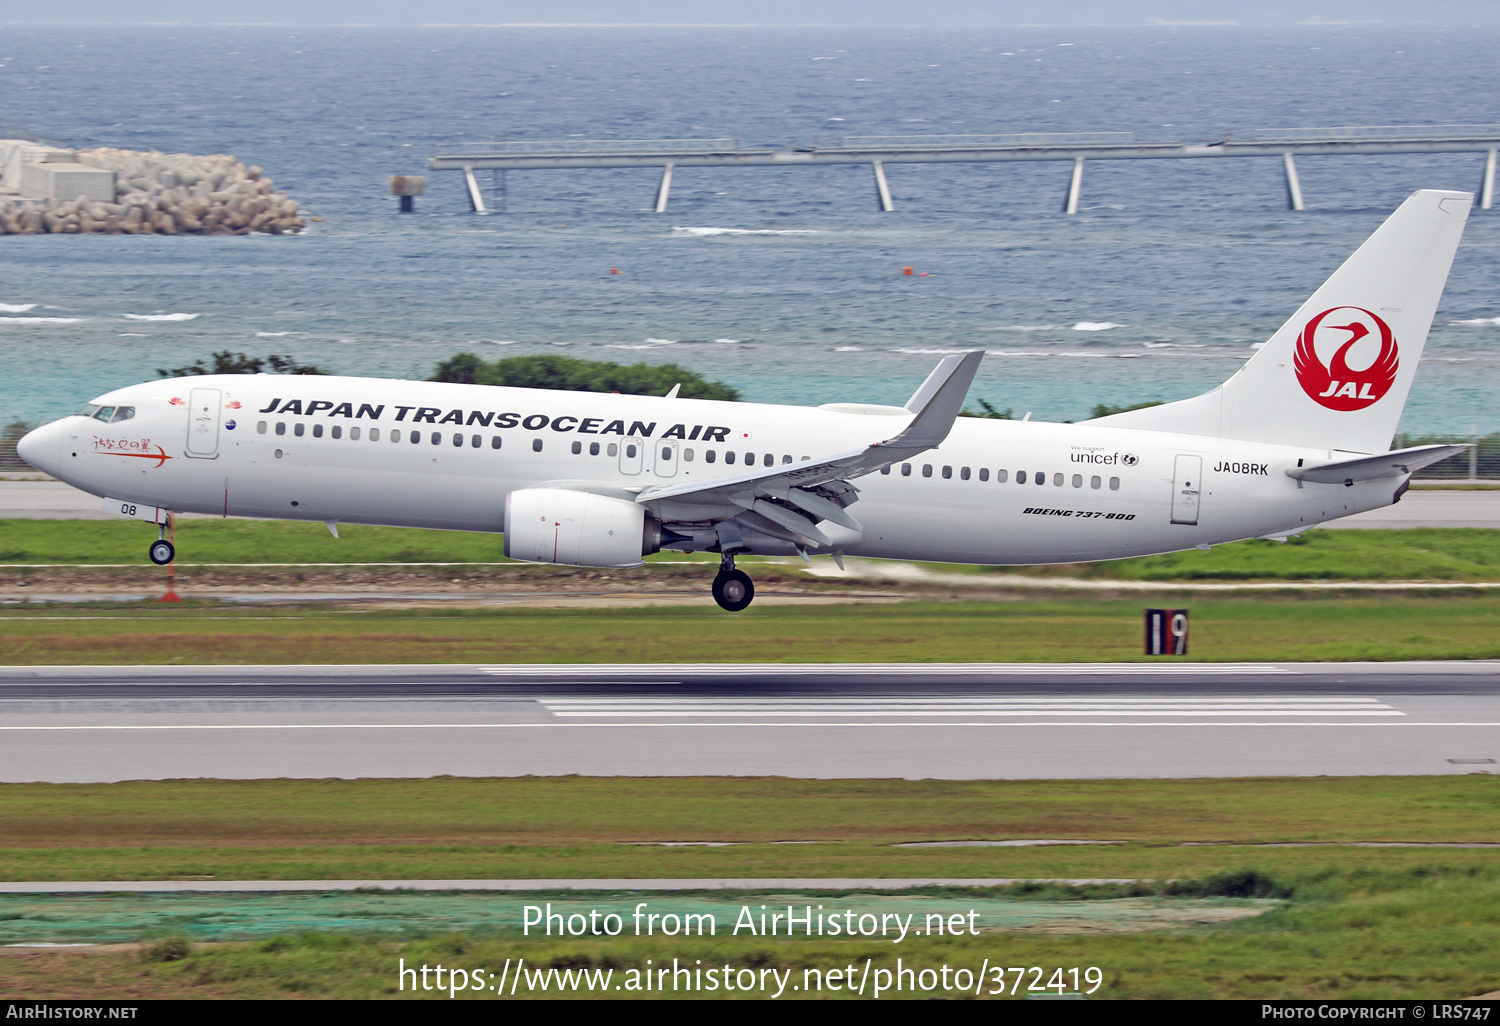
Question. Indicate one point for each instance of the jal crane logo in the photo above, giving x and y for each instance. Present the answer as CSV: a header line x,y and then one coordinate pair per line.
x,y
1348,331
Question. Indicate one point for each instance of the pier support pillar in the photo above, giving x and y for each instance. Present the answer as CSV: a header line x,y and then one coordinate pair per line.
x,y
1293,185
663,189
1075,186
1487,189
476,198
882,190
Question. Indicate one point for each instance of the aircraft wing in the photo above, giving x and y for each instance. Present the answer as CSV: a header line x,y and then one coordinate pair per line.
x,y
795,496
1365,468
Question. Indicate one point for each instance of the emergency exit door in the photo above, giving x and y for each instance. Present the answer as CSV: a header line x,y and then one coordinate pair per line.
x,y
1187,486
203,423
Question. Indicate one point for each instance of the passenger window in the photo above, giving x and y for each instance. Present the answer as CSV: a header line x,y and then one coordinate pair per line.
x,y
437,438
317,430
886,470
1040,477
1057,479
1020,477
354,434
260,428
281,427
536,445
476,441
612,449
1114,484
709,455
687,455
1077,480
786,459
593,448
629,449
806,458
458,441
416,438
729,456
906,470
122,413
927,470
337,431
1094,481
1001,475
494,441
963,475
749,459
577,448
299,429
984,473
768,460
666,452
947,473
395,434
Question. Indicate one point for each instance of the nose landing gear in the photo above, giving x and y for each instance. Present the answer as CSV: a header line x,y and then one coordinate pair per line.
x,y
162,551
733,589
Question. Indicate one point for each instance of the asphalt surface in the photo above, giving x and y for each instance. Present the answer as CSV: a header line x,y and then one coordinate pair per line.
x,y
53,500
956,721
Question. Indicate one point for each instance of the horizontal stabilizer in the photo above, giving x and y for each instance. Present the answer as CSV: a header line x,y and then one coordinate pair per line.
x,y
1367,468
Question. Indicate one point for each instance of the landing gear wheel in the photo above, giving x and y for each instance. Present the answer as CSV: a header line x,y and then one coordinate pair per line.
x,y
162,552
733,590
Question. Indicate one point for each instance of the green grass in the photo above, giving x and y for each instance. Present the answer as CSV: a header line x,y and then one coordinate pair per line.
x,y
1275,627
1440,554
1352,923
542,827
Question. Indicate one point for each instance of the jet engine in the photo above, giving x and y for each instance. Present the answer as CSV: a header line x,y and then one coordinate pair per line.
x,y
558,525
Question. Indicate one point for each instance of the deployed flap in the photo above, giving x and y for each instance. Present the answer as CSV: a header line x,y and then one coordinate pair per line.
x,y
1387,464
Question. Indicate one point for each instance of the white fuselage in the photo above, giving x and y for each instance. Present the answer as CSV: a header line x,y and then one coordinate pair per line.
x,y
437,455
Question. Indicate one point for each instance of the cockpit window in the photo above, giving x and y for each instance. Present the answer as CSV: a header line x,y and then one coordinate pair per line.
x,y
104,413
122,413
88,410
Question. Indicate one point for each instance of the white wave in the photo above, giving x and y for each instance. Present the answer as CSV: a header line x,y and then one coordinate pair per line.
x,y
728,341
271,334
931,352
1096,325
16,307
704,232
1158,345
41,320
134,334
849,349
1476,321
162,317
1028,327
1050,354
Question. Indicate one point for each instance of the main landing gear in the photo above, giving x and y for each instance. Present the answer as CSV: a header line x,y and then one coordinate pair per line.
x,y
162,551
733,588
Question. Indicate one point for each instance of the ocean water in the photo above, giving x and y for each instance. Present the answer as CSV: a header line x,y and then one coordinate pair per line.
x,y
784,282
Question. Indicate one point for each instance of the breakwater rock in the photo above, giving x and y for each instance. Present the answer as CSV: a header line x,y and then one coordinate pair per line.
x,y
156,194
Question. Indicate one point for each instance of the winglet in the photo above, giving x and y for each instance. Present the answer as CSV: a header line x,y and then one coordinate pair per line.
x,y
937,402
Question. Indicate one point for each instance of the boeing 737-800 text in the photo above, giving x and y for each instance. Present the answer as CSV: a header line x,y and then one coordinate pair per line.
x,y
1297,437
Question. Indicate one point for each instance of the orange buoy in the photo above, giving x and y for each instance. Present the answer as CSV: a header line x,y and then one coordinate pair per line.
x,y
907,271
614,270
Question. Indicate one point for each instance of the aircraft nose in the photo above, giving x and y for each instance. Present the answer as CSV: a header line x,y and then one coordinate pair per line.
x,y
42,448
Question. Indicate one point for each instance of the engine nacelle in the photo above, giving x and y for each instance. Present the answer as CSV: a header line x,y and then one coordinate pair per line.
x,y
558,525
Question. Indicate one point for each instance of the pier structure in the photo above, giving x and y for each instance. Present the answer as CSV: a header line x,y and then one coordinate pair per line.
x,y
879,151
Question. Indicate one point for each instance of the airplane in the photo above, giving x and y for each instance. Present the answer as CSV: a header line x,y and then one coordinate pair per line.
x,y
1297,437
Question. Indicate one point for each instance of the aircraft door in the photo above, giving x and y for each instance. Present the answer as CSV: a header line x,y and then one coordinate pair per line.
x,y
666,455
203,422
1187,487
632,455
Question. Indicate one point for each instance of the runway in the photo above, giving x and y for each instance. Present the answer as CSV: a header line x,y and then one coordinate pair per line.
x,y
955,721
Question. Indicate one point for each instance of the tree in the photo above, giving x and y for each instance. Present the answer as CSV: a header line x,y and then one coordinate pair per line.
x,y
1103,410
238,363
573,375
